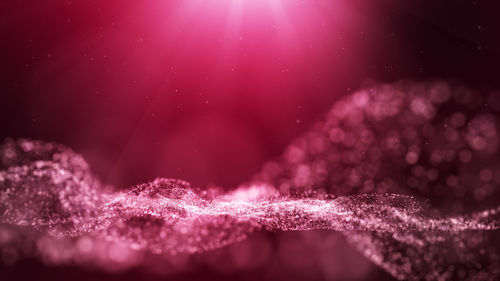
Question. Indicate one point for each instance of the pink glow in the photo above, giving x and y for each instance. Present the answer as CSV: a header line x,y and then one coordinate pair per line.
x,y
249,45
225,50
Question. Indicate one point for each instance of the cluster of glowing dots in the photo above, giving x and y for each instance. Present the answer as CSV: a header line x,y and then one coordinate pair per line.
x,y
352,173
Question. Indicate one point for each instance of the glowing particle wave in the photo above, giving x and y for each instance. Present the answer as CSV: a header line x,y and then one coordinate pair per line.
x,y
49,197
61,197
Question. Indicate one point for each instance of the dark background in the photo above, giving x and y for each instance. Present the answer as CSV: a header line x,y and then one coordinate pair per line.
x,y
65,78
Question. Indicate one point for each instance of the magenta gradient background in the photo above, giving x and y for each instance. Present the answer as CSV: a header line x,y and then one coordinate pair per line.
x,y
208,93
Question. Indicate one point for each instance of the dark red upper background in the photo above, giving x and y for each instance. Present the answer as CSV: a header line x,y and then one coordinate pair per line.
x,y
142,94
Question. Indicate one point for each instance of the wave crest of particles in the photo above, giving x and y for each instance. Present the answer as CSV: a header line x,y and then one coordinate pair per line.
x,y
352,173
